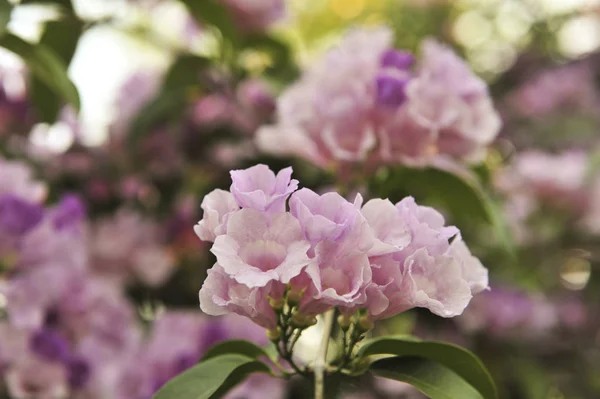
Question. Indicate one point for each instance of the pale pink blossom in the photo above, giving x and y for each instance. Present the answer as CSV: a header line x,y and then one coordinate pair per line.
x,y
259,248
473,270
331,217
259,188
437,284
382,257
338,276
328,114
365,102
221,294
389,226
217,207
426,270
449,97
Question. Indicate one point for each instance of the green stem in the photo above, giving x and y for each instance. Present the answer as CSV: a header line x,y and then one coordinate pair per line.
x,y
321,359
349,346
287,356
285,346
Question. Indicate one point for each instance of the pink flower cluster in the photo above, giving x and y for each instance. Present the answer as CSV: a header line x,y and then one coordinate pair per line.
x,y
63,328
563,183
66,325
507,312
329,252
128,247
570,87
364,101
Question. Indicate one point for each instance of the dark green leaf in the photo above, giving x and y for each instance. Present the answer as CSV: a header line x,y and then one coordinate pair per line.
x,y
45,65
46,102
62,38
185,72
458,359
211,378
282,66
534,381
159,110
5,10
500,225
429,377
212,12
236,346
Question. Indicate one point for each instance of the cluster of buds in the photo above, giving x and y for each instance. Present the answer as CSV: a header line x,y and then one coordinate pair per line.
x,y
291,322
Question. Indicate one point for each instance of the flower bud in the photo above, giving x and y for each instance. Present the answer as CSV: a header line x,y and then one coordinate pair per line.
x,y
344,322
364,324
276,303
274,334
301,321
294,297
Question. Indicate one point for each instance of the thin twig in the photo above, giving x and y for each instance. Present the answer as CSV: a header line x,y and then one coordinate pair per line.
x,y
321,359
288,358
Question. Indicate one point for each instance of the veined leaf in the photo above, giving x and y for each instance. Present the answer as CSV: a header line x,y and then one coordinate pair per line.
x,y
61,37
44,65
459,360
429,377
211,378
236,346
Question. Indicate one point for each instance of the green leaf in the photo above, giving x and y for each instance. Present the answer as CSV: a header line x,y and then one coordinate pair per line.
x,y
211,378
500,225
236,346
61,37
45,65
167,105
5,10
458,359
185,72
213,13
282,66
429,377
534,381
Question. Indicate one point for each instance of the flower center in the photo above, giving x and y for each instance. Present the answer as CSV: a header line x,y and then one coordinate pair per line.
x,y
264,254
